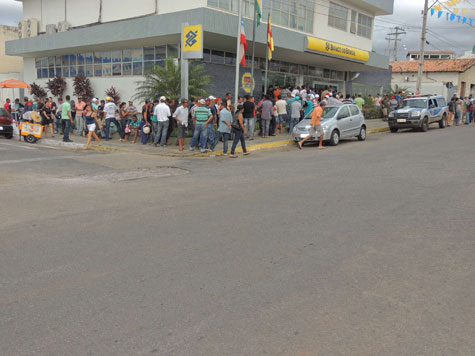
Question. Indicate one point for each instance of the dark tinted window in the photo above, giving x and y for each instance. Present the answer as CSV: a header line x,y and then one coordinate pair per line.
x,y
441,102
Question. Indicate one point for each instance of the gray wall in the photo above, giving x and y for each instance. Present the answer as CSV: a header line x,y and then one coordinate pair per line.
x,y
371,82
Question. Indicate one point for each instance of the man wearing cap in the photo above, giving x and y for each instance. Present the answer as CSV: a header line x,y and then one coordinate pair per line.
x,y
162,112
181,117
316,129
201,118
109,110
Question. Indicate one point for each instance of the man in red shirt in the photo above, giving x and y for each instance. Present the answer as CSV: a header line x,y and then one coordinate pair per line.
x,y
7,106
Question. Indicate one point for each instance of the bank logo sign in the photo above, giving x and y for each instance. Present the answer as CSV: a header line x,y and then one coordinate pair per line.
x,y
192,42
335,49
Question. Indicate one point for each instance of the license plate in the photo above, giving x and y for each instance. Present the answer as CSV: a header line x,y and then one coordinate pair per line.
x,y
1,128
303,135
401,120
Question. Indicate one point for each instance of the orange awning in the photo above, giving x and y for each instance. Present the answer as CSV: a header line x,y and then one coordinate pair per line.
x,y
13,83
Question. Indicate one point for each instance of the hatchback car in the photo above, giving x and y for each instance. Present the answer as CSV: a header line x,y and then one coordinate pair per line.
x,y
338,122
6,121
419,112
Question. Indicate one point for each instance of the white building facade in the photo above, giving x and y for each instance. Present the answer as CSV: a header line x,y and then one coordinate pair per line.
x,y
116,42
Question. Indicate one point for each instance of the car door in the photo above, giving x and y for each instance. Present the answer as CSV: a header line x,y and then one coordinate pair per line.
x,y
344,121
356,120
432,110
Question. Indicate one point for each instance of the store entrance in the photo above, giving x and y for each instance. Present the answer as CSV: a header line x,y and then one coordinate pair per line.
x,y
324,85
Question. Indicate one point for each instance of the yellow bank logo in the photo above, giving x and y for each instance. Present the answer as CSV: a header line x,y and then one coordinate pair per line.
x,y
192,38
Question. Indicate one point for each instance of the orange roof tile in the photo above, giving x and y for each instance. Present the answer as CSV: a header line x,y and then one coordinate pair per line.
x,y
434,65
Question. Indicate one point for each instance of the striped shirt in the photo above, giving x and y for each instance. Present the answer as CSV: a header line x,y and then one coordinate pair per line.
x,y
202,115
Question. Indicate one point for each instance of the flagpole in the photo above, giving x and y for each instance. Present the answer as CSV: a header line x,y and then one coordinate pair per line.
x,y
267,55
254,25
238,49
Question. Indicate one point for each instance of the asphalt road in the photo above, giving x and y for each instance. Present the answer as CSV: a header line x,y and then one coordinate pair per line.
x,y
367,248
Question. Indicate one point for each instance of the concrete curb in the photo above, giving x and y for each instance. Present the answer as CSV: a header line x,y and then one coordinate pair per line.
x,y
250,148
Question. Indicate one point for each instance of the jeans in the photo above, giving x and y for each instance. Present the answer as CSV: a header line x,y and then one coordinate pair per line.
x,y
272,126
293,123
459,116
239,136
66,127
211,133
58,123
143,136
161,133
200,130
80,125
225,137
108,127
250,125
154,129
265,127
467,117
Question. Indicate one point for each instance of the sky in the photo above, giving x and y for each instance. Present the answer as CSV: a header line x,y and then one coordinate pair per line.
x,y
441,34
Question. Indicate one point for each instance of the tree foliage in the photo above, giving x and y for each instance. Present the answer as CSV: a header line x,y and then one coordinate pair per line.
x,y
113,93
56,86
166,80
38,91
397,89
82,87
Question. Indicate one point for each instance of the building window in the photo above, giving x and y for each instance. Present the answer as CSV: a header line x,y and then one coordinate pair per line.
x,y
365,25
353,23
338,16
297,14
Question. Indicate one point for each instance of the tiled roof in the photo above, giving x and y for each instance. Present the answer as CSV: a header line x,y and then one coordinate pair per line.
x,y
434,65
432,52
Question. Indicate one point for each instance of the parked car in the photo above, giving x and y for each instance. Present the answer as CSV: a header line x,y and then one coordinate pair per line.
x,y
419,112
338,122
6,121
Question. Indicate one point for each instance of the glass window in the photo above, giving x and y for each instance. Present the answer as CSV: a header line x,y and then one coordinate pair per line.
x,y
58,61
338,16
72,71
65,71
137,68
172,51
284,67
38,73
161,52
106,57
137,55
44,73
89,70
97,57
294,68
230,58
81,70
59,71
326,73
98,70
354,15
51,72
127,68
148,54
343,113
147,67
160,63
51,61
106,70
44,62
116,56
127,55
274,66
365,25
64,61
88,58
303,69
80,59
38,63
217,57
354,110
116,69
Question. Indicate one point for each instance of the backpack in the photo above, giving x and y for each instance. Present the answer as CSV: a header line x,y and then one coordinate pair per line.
x,y
235,123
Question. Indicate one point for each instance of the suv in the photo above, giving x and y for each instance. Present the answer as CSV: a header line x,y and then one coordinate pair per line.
x,y
6,128
418,112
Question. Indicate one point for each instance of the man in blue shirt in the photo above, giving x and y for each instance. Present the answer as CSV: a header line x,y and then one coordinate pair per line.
x,y
224,128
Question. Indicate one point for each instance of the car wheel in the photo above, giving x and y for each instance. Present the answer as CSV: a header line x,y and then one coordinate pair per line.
x,y
9,136
362,135
425,125
30,139
443,122
335,138
393,129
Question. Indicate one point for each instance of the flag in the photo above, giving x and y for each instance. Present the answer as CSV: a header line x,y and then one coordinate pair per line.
x,y
242,52
270,39
259,11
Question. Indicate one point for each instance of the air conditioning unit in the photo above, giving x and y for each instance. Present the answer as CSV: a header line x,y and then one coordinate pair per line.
x,y
32,28
50,29
22,29
63,26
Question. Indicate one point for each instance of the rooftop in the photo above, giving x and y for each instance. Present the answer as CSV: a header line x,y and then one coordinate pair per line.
x,y
432,52
434,65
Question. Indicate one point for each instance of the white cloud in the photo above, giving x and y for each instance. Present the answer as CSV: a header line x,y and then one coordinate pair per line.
x,y
10,12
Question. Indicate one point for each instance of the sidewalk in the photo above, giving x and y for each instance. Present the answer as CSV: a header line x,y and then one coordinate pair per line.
x,y
114,145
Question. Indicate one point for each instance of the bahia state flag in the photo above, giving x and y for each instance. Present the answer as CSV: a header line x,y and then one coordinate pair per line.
x,y
259,11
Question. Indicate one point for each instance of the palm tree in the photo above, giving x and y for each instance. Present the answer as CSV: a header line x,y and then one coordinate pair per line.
x,y
166,80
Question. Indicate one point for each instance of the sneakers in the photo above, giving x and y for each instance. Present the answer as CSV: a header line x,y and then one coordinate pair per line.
x,y
68,140
191,148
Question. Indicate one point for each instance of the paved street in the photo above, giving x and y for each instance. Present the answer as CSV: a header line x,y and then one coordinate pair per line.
x,y
366,248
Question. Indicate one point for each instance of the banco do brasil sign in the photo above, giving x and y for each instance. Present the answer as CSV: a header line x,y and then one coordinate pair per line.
x,y
335,49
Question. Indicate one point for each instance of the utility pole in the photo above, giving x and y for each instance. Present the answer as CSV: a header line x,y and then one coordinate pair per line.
x,y
399,31
388,51
423,43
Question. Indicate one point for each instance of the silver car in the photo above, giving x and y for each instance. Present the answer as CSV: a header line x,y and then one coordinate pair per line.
x,y
338,122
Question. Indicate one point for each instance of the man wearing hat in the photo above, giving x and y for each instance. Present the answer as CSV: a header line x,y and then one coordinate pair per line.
x,y
181,117
109,109
201,119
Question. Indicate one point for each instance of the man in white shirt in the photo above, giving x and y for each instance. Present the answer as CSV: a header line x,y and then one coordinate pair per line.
x,y
109,111
162,112
281,107
181,117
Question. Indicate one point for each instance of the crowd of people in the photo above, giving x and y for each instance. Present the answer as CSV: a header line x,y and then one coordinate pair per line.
x,y
207,120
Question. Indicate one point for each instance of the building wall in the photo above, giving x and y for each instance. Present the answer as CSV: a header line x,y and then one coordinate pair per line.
x,y
469,78
9,64
432,82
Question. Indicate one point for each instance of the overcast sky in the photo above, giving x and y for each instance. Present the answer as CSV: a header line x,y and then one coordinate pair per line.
x,y
441,35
